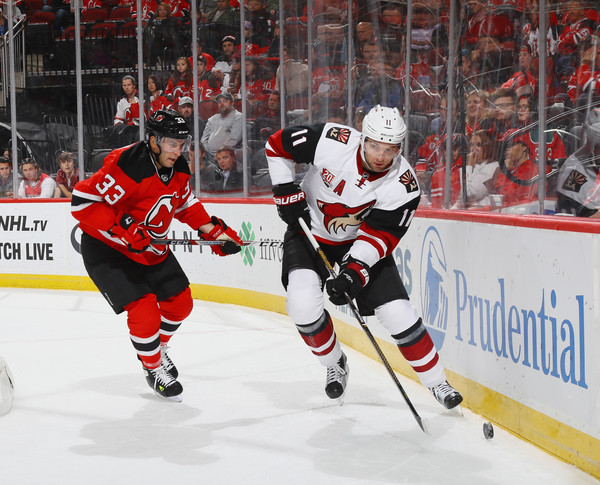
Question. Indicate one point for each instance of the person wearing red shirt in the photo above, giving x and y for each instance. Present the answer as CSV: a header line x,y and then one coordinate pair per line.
x,y
438,179
132,199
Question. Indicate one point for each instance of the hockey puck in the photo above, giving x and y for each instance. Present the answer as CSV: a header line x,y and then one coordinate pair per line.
x,y
488,430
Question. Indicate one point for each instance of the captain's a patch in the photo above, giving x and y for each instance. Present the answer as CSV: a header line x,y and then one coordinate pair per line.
x,y
338,133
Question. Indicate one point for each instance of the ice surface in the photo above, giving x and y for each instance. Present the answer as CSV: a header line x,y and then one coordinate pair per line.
x,y
254,409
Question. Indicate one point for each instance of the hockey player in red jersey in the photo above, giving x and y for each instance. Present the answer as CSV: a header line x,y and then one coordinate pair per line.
x,y
359,197
132,199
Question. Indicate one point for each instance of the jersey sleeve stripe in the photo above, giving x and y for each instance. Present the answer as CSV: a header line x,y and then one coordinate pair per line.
x,y
87,196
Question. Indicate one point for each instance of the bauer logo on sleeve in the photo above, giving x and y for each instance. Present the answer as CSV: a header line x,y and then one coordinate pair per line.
x,y
408,180
338,133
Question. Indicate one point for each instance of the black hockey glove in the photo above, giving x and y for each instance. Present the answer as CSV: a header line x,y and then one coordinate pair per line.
x,y
221,231
291,204
354,275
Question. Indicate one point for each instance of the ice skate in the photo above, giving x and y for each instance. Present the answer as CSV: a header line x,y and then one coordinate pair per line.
x,y
446,395
166,362
163,383
337,376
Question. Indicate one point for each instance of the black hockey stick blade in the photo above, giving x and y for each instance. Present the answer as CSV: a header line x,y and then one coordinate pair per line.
x,y
364,326
197,242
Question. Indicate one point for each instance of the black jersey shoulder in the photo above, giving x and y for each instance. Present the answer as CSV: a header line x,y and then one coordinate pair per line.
x,y
301,141
136,162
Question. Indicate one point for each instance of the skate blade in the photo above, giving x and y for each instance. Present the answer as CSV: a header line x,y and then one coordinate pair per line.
x,y
177,398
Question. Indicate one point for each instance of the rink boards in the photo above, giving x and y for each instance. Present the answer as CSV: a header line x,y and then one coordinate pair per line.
x,y
510,303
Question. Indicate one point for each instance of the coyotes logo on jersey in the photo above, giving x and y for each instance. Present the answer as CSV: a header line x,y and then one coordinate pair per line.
x,y
408,180
339,134
340,216
574,181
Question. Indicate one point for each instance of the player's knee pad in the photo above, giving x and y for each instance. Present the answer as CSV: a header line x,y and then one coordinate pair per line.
x,y
304,296
178,307
143,316
397,315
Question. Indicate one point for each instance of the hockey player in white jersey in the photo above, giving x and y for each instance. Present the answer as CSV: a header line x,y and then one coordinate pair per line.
x,y
359,197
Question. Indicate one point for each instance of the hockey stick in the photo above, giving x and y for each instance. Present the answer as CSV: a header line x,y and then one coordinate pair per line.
x,y
197,242
363,325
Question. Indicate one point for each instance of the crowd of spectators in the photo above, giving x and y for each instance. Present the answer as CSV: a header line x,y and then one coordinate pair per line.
x,y
495,136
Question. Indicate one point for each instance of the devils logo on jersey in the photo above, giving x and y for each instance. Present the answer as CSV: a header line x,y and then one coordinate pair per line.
x,y
159,217
408,180
339,134
574,181
339,215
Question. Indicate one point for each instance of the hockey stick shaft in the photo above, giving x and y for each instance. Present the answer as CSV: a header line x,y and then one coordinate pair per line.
x,y
363,325
195,242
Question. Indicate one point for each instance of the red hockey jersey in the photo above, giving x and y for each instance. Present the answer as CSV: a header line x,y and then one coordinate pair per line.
x,y
130,183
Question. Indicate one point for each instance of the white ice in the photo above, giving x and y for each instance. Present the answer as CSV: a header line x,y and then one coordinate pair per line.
x,y
254,409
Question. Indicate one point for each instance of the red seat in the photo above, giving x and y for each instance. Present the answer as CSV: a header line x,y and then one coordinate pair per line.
x,y
94,15
41,18
69,32
207,108
33,5
101,30
120,13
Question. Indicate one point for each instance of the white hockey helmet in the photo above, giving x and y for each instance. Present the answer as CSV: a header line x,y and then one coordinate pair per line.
x,y
592,127
383,124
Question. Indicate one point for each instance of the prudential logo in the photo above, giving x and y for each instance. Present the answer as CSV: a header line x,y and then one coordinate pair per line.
x,y
434,284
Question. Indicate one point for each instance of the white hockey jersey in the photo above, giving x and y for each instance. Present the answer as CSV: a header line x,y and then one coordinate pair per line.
x,y
348,203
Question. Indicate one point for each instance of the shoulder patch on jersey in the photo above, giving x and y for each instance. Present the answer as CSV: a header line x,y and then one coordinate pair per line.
x,y
408,180
338,133
574,181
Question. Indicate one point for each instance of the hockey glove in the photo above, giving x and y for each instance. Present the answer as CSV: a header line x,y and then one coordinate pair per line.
x,y
354,275
291,204
220,232
136,238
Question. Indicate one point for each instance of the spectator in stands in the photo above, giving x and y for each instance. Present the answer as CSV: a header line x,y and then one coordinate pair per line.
x,y
62,12
6,152
295,75
577,26
531,29
524,80
181,81
148,9
481,169
180,8
503,116
380,87
209,60
519,164
259,83
224,128
128,107
6,178
224,63
392,22
270,121
438,178
525,108
3,24
208,85
157,98
186,110
273,50
161,33
584,84
263,23
202,166
492,60
66,176
34,183
477,102
227,178
224,13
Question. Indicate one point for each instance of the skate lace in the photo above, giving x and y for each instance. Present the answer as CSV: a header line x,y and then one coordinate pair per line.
x,y
334,373
162,377
443,390
164,355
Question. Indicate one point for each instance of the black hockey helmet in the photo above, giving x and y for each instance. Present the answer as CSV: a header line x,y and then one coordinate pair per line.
x,y
168,123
